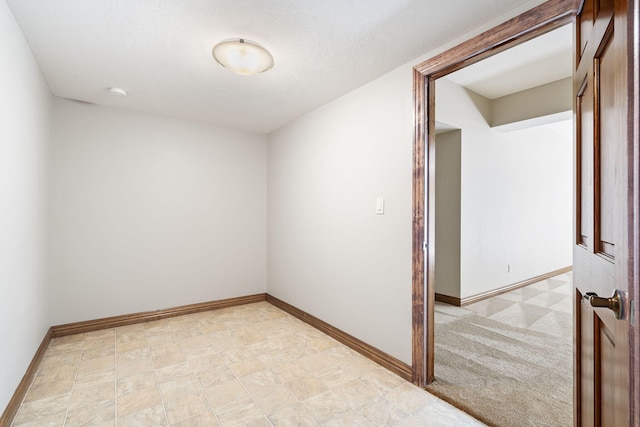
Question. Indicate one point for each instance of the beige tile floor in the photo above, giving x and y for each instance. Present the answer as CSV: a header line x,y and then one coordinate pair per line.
x,y
251,365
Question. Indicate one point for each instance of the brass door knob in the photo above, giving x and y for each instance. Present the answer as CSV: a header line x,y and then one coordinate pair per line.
x,y
614,303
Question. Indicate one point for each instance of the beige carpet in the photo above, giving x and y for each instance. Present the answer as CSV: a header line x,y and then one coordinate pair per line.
x,y
508,360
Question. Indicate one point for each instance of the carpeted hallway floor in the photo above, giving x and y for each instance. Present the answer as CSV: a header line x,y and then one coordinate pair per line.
x,y
508,360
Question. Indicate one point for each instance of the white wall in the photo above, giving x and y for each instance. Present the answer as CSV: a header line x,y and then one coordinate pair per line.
x,y
516,195
328,252
150,212
24,128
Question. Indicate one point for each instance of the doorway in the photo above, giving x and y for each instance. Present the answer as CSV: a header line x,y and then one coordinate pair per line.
x,y
504,202
596,15
542,19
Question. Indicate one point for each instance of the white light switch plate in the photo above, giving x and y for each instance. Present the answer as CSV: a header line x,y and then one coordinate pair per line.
x,y
380,206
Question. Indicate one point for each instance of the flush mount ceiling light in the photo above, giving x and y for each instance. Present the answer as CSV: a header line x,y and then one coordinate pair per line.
x,y
116,91
242,56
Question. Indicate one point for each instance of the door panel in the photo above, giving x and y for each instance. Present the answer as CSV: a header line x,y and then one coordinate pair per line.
x,y
602,249
606,148
605,348
585,370
584,165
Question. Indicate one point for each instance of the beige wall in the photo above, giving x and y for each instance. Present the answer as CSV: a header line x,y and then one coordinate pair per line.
x,y
24,128
447,207
329,253
149,212
548,100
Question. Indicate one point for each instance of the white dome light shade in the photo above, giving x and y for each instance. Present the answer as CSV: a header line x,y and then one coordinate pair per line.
x,y
243,56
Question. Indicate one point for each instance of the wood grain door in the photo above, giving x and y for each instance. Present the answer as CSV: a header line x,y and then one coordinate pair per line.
x,y
603,246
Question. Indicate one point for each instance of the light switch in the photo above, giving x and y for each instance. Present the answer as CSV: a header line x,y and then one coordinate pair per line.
x,y
380,206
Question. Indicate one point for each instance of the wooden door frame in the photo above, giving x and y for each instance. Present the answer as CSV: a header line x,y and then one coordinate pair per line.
x,y
539,20
633,46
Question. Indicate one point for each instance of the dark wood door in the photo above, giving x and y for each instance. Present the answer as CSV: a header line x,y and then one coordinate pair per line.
x,y
603,247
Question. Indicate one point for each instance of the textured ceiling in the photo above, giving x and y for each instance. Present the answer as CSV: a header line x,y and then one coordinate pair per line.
x,y
160,50
542,60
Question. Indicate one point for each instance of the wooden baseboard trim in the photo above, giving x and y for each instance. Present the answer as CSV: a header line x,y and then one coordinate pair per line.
x,y
383,359
130,319
495,292
21,391
448,299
